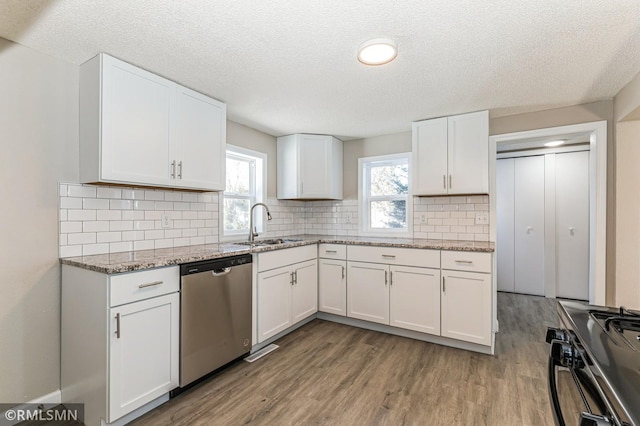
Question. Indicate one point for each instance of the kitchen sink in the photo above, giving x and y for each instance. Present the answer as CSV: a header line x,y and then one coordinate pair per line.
x,y
271,242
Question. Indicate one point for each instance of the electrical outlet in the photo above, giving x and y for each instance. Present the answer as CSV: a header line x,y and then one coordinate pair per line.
x,y
348,217
166,221
423,218
482,218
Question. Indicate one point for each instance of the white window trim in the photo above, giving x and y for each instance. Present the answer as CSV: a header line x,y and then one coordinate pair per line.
x,y
363,218
260,191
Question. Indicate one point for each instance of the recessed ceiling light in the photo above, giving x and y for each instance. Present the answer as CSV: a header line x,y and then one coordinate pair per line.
x,y
378,51
554,143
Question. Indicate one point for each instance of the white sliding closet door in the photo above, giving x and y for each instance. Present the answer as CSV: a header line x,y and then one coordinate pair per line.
x,y
505,222
572,225
529,225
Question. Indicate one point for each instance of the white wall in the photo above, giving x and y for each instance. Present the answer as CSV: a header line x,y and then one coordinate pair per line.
x,y
627,136
39,146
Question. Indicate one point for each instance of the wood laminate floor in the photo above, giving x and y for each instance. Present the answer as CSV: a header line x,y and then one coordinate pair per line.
x,y
331,374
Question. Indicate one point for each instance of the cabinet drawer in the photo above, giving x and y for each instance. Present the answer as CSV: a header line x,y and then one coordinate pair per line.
x,y
332,251
466,261
279,258
395,256
133,286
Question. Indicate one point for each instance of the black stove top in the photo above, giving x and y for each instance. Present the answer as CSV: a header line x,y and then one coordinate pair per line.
x,y
609,342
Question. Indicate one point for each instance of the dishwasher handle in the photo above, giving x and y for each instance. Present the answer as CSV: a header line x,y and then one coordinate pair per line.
x,y
220,272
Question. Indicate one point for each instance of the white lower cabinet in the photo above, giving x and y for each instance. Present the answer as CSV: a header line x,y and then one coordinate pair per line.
x,y
332,279
414,301
332,286
119,340
368,292
285,294
466,297
143,352
404,292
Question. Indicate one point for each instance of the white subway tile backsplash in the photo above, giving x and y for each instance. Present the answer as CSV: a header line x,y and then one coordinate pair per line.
x,y
81,215
122,219
95,226
81,191
109,192
120,204
95,203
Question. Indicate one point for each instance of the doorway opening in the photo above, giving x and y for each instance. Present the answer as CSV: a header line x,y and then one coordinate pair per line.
x,y
594,135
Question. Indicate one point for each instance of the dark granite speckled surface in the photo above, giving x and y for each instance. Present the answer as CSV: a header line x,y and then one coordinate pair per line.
x,y
144,259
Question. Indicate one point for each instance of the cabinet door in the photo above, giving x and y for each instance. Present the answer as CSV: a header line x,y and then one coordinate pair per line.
x,y
135,125
143,352
274,302
368,291
304,298
430,157
504,221
466,306
314,159
572,225
332,286
415,299
198,140
468,153
529,225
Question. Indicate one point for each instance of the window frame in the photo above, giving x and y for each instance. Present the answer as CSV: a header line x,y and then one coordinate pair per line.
x,y
364,196
258,182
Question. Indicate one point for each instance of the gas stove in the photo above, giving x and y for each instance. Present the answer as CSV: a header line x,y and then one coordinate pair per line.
x,y
601,348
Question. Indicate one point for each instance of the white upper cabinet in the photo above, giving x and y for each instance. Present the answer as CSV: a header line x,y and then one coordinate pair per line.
x,y
309,167
137,128
451,155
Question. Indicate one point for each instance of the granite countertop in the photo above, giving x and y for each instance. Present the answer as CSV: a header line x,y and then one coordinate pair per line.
x,y
115,263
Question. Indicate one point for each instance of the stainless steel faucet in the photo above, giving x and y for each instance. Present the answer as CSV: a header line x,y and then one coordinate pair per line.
x,y
252,231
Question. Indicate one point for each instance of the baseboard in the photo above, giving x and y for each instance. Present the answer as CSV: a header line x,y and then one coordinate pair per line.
x,y
47,401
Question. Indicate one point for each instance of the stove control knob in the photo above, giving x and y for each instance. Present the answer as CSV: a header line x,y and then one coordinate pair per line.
x,y
556,334
587,419
565,354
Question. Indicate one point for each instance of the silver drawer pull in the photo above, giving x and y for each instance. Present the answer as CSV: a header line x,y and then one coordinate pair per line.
x,y
466,262
150,284
389,256
117,325
331,251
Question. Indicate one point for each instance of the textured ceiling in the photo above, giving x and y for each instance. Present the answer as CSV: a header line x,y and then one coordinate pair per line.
x,y
287,66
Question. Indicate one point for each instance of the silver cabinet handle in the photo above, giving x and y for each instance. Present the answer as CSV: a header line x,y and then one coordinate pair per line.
x,y
449,181
343,272
466,262
221,272
444,181
388,256
180,170
391,278
150,284
173,169
295,277
443,285
331,251
385,277
291,276
117,326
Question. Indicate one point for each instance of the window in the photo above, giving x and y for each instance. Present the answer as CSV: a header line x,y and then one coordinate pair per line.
x,y
245,187
385,195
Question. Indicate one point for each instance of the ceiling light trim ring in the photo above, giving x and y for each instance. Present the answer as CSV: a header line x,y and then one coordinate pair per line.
x,y
377,51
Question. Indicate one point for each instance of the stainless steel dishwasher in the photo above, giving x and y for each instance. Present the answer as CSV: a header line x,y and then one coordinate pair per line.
x,y
215,315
